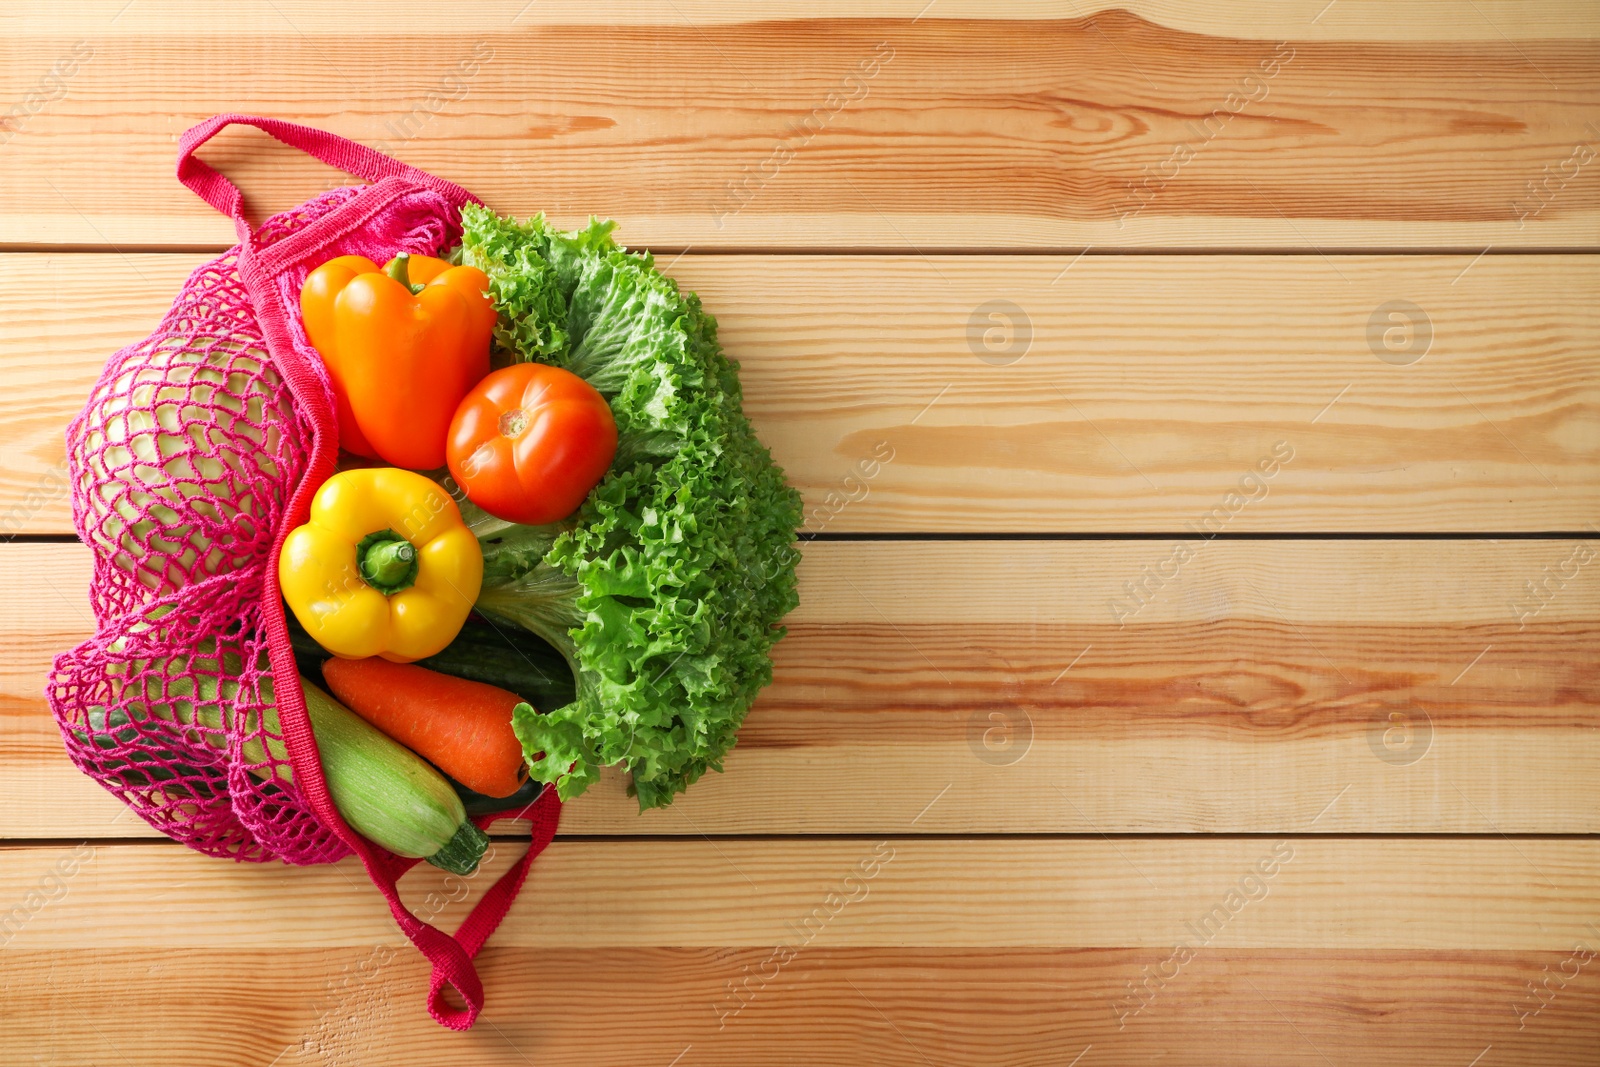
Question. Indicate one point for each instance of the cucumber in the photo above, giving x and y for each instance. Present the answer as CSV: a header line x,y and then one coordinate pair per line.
x,y
478,804
507,656
386,792
140,767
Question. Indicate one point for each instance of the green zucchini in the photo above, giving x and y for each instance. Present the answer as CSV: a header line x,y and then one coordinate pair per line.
x,y
386,792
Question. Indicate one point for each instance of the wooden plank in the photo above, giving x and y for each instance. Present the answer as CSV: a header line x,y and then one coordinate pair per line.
x,y
1151,389
630,952
985,687
898,1007
1161,126
1489,894
1439,20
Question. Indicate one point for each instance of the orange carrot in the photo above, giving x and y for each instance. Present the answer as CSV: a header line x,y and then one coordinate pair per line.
x,y
462,727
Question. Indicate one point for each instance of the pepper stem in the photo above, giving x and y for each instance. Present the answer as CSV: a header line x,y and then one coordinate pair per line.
x,y
387,561
399,269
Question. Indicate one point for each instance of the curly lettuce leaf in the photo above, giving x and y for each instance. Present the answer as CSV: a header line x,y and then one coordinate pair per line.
x,y
666,591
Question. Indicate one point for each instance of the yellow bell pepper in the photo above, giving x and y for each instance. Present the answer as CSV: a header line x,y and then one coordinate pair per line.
x,y
385,566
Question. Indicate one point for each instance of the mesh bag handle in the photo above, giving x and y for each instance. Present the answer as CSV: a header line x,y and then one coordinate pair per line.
x,y
451,956
338,152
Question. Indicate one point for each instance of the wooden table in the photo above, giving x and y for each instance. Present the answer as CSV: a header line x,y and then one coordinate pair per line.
x,y
1198,412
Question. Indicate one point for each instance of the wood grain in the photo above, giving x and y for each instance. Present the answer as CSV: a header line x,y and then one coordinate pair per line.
x,y
1107,128
1439,20
935,893
627,952
985,687
1151,389
834,1007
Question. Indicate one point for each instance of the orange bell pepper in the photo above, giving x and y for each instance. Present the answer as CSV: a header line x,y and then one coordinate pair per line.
x,y
402,346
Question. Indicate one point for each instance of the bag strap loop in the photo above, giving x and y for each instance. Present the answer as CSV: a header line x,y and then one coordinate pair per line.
x,y
452,956
338,152
485,917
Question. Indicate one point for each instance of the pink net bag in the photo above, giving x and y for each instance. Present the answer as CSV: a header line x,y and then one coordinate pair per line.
x,y
198,451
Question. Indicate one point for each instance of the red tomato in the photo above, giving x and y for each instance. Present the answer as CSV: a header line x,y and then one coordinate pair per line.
x,y
529,442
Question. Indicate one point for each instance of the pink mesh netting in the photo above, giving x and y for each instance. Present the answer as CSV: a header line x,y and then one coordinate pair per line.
x,y
182,464
197,452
